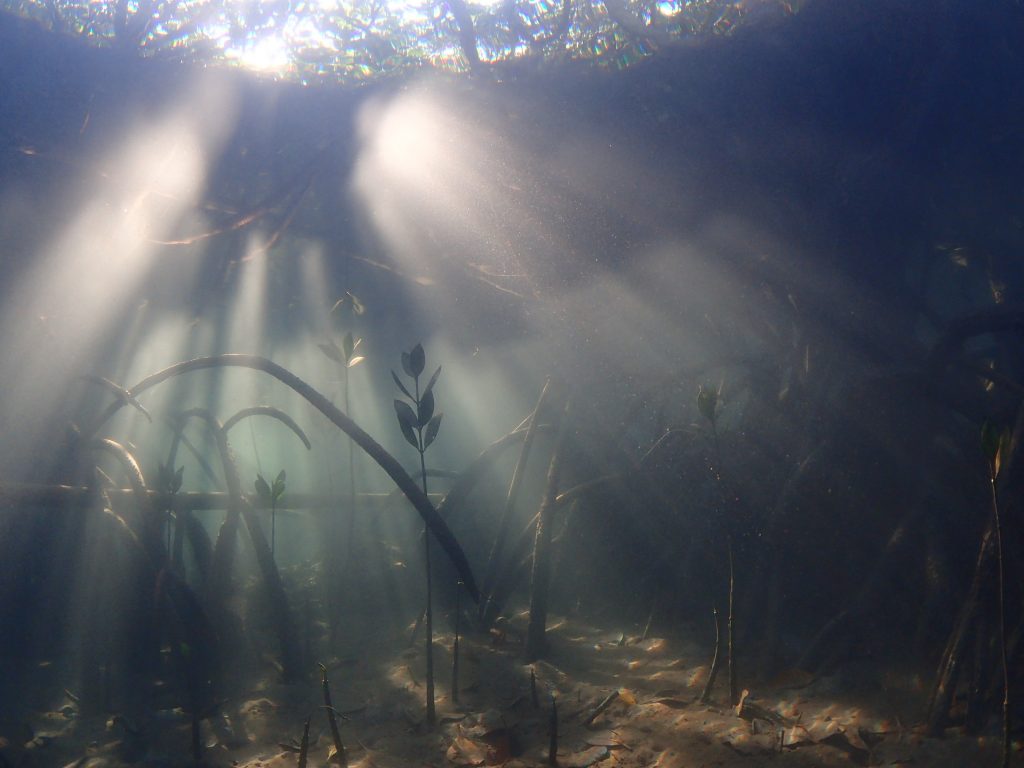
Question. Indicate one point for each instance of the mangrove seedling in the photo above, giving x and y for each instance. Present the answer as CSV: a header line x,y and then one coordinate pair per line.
x,y
606,702
707,403
346,354
419,426
271,494
346,357
996,443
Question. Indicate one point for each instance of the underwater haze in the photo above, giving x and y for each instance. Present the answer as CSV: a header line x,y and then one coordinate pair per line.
x,y
592,383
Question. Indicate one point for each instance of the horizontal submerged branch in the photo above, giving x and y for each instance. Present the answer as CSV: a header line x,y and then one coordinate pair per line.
x,y
15,497
377,452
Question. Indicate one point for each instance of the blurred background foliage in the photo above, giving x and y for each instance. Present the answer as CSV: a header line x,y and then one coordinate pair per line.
x,y
358,40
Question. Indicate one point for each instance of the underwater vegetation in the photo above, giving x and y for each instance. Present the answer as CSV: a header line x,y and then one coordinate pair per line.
x,y
420,426
728,467
180,643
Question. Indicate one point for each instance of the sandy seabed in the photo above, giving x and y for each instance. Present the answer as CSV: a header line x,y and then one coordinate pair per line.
x,y
859,716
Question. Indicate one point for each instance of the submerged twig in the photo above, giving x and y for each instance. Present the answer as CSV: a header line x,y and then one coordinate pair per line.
x,y
541,572
456,498
716,660
304,748
605,703
497,548
339,755
553,743
455,645
647,626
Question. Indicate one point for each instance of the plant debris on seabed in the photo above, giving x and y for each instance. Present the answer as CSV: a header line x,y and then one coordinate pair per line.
x,y
653,716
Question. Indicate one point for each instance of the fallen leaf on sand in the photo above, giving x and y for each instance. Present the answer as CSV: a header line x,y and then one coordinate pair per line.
x,y
602,739
654,645
671,703
671,759
584,758
466,752
795,736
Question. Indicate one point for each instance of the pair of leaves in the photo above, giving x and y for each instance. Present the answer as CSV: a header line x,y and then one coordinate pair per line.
x,y
427,421
424,406
427,391
995,443
345,354
269,492
350,300
414,362
430,433
169,480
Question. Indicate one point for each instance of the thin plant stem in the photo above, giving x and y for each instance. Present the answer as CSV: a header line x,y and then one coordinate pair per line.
x,y
455,644
709,684
429,624
1002,620
351,481
731,617
733,692
497,548
339,756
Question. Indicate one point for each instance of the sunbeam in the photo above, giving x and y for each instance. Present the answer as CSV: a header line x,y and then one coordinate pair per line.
x,y
84,285
631,384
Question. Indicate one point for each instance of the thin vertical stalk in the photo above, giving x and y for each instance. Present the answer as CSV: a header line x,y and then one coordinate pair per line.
x,y
716,661
948,673
733,692
541,572
351,482
339,755
497,548
1002,620
647,626
553,728
304,747
429,615
455,644
731,617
